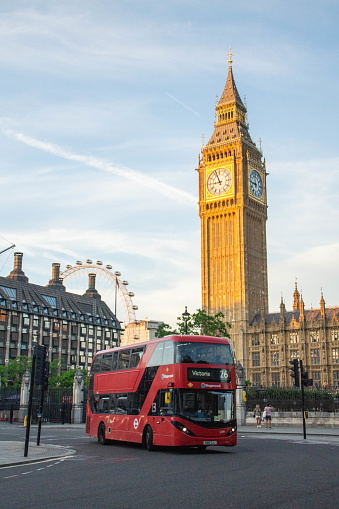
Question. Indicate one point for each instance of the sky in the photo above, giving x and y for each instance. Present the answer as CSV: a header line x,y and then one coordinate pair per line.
x,y
103,106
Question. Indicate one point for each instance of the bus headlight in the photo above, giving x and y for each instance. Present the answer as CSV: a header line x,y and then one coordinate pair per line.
x,y
231,431
182,428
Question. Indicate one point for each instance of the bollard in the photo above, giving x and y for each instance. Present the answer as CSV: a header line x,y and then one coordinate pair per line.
x,y
11,412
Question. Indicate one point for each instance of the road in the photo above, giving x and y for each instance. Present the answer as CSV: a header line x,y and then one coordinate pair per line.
x,y
280,472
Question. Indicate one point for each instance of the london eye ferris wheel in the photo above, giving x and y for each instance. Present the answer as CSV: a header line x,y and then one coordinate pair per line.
x,y
111,287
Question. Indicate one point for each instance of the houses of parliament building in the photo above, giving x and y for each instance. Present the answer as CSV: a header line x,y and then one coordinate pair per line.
x,y
233,214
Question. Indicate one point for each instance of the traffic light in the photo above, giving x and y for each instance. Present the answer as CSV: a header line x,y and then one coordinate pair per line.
x,y
295,372
40,365
307,382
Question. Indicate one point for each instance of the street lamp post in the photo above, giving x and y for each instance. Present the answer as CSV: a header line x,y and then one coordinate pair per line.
x,y
186,315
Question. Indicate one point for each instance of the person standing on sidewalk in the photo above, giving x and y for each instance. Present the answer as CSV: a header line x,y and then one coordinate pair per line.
x,y
257,415
268,415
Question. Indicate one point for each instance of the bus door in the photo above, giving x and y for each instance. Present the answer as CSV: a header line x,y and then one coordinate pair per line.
x,y
162,408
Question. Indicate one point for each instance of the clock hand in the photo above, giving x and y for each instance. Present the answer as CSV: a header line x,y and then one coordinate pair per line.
x,y
217,176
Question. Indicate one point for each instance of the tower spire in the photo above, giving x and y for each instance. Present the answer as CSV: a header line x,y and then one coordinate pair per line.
x,y
296,297
322,305
230,57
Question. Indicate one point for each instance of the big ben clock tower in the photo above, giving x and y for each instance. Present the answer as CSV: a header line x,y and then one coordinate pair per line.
x,y
233,213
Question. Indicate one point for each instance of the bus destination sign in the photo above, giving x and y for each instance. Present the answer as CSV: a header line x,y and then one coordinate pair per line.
x,y
208,375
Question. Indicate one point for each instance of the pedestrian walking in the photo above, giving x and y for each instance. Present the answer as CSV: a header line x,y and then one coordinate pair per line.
x,y
257,415
268,415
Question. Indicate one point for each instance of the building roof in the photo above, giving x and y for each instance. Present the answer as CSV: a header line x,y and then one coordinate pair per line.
x,y
53,300
230,94
309,314
228,130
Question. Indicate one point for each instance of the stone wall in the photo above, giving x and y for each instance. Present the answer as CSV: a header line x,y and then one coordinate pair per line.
x,y
315,419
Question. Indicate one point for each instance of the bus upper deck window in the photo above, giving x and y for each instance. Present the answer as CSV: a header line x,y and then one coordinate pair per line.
x,y
106,363
96,366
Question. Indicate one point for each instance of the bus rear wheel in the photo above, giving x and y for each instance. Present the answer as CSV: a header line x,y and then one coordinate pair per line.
x,y
148,438
102,434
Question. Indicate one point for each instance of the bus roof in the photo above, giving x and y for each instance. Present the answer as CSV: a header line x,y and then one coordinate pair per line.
x,y
175,338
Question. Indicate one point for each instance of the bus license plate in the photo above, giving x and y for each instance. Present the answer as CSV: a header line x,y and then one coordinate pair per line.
x,y
210,442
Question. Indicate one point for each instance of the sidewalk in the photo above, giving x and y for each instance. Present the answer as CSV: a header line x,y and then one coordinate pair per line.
x,y
290,430
12,453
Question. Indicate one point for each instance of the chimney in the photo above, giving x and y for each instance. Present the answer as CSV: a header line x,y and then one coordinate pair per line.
x,y
17,273
18,261
56,281
91,291
91,281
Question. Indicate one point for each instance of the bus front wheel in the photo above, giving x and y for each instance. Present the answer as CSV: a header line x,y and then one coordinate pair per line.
x,y
148,438
102,434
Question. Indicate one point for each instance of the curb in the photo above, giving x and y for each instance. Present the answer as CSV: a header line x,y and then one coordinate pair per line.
x,y
35,460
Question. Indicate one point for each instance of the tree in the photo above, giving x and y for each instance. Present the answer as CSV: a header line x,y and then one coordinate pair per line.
x,y
164,330
199,323
11,375
66,378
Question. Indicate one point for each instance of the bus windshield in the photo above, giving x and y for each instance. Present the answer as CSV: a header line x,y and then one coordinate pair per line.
x,y
204,406
203,353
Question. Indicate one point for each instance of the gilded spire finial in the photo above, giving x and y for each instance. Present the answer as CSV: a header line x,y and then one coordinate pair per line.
x,y
230,57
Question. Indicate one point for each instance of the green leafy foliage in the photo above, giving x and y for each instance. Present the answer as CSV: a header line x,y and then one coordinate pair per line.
x,y
199,323
59,377
164,330
11,375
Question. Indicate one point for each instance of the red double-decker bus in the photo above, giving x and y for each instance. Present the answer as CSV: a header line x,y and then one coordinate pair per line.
x,y
173,391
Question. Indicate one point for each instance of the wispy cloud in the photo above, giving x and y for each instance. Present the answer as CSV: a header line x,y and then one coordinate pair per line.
x,y
170,192
182,104
167,248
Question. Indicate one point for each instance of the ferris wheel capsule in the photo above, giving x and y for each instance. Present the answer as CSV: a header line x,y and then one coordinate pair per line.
x,y
131,294
117,273
108,267
135,307
68,266
89,261
125,283
99,262
79,262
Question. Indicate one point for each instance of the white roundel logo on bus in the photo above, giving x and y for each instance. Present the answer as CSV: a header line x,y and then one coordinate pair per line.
x,y
135,423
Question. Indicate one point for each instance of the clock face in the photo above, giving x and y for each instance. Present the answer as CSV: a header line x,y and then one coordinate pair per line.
x,y
255,184
219,182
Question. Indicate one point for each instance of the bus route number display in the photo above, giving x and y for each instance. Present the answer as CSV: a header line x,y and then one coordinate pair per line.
x,y
209,375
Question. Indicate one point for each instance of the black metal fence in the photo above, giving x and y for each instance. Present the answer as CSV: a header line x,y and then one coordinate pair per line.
x,y
290,400
57,405
9,399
